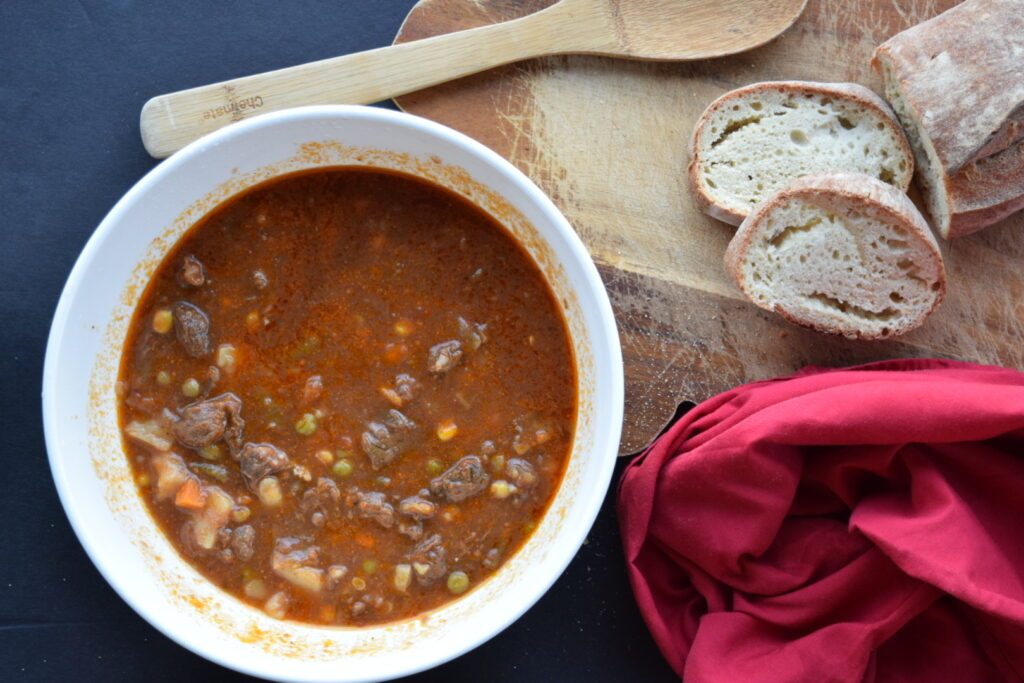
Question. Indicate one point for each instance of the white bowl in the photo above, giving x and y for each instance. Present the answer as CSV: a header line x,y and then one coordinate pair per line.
x,y
80,414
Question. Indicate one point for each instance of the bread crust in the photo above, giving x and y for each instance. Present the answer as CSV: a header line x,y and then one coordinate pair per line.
x,y
847,91
960,73
859,189
985,192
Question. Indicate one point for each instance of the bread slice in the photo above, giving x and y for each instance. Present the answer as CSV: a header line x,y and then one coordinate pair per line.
x,y
842,253
751,142
955,82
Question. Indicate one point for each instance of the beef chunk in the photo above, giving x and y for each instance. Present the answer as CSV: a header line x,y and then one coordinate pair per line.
x,y
465,478
322,498
204,422
520,473
374,506
384,441
444,356
429,560
404,391
243,542
260,460
192,328
417,508
413,529
191,273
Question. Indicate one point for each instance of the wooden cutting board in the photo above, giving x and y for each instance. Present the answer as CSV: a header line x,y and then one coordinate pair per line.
x,y
607,140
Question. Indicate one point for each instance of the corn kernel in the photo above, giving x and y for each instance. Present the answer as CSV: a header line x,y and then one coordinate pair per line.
x,y
447,430
252,321
163,321
269,491
325,456
502,489
227,358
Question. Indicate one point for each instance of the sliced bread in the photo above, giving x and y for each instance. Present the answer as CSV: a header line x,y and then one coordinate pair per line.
x,y
751,142
842,253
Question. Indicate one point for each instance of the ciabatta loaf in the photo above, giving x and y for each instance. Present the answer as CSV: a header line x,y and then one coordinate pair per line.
x,y
842,253
959,79
957,85
751,142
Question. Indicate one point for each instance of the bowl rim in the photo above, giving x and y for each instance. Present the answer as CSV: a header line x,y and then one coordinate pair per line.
x,y
614,394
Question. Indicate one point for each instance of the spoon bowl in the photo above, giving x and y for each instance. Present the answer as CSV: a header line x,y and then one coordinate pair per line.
x,y
632,29
693,29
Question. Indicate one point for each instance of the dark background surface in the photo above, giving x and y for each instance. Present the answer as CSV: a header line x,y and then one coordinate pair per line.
x,y
73,77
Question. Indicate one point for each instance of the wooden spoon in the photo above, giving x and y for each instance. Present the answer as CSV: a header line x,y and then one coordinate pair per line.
x,y
634,29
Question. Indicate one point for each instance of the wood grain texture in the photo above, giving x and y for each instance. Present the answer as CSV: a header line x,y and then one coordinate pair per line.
x,y
607,140
639,29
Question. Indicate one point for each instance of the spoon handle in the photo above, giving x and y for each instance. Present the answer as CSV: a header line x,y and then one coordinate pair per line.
x,y
171,121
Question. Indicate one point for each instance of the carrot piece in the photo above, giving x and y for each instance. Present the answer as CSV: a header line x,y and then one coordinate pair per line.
x,y
191,495
365,540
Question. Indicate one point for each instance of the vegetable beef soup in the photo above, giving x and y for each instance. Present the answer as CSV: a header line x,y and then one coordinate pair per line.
x,y
348,396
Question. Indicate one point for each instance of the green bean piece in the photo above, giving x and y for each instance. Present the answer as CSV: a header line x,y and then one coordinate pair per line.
x,y
210,471
458,583
211,452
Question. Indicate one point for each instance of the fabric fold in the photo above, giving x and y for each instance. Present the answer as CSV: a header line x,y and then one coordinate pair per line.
x,y
858,524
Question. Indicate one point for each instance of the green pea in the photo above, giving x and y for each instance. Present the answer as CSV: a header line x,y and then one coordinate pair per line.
x,y
458,582
434,467
190,387
369,567
163,378
342,468
306,424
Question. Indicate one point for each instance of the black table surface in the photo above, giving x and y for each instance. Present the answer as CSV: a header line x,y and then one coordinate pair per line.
x,y
73,77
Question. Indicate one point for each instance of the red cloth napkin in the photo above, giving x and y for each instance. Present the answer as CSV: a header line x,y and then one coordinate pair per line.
x,y
862,524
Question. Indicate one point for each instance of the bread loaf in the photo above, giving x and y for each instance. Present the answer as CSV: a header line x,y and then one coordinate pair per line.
x,y
751,142
960,80
957,84
842,253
